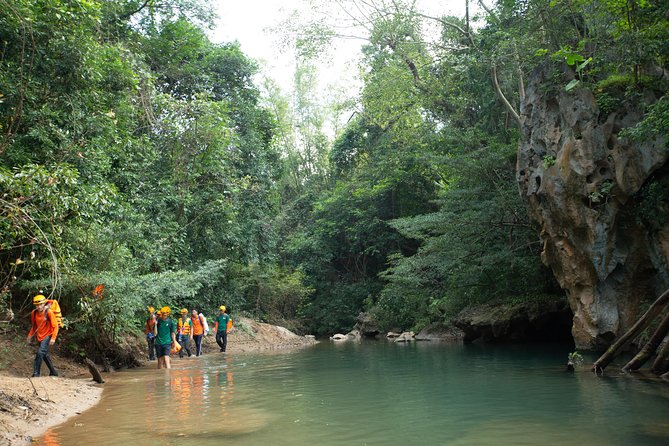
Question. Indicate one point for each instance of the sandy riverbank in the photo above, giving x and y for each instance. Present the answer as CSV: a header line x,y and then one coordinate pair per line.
x,y
29,406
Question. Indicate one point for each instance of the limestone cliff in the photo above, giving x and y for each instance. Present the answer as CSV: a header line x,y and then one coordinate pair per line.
x,y
605,234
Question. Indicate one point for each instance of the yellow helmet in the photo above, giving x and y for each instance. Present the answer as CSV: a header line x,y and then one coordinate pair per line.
x,y
159,313
222,308
151,310
39,299
165,310
184,311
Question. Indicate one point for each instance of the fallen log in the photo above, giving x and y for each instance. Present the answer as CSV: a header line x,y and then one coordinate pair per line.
x,y
97,376
661,364
650,348
637,328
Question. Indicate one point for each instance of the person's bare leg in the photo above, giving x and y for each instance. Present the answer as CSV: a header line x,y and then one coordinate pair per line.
x,y
167,362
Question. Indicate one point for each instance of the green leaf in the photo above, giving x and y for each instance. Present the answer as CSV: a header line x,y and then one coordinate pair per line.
x,y
572,84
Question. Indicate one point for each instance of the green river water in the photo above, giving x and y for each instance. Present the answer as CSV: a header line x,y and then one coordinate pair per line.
x,y
374,393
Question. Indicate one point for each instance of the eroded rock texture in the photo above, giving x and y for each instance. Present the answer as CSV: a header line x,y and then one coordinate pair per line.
x,y
590,193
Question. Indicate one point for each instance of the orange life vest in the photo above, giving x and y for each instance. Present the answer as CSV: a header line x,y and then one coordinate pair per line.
x,y
150,323
184,327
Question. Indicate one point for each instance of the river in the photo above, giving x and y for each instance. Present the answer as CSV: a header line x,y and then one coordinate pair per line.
x,y
374,393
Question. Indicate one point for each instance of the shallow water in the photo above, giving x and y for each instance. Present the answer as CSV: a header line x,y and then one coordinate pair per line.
x,y
374,393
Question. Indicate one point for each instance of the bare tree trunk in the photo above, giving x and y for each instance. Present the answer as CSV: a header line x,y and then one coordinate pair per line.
x,y
649,349
642,323
505,101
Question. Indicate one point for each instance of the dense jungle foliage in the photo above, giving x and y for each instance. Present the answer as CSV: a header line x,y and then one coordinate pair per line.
x,y
138,154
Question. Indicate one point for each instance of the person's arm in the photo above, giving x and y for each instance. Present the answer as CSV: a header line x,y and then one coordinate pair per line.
x,y
190,336
173,333
216,325
54,326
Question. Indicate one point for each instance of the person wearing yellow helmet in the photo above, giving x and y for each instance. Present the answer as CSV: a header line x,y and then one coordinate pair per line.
x,y
165,333
221,328
184,327
45,329
150,337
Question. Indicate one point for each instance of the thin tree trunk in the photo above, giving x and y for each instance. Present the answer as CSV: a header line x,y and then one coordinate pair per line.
x,y
649,349
642,323
505,101
661,364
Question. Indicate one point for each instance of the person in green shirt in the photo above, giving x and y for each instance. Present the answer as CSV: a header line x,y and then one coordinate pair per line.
x,y
222,321
165,332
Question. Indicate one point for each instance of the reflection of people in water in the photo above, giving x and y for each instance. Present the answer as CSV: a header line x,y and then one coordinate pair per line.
x,y
50,438
184,390
227,389
149,411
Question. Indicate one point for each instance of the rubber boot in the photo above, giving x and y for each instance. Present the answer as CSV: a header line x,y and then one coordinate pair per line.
x,y
37,366
52,370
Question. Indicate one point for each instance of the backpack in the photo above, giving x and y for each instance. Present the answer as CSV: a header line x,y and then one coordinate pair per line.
x,y
205,326
54,306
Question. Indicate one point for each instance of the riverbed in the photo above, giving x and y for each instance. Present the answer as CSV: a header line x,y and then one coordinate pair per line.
x,y
375,393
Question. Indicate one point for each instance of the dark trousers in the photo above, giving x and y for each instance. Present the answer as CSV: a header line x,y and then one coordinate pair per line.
x,y
43,355
151,342
198,344
222,339
184,340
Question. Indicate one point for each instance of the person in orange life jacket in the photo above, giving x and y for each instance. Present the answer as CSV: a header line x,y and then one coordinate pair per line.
x,y
221,329
184,328
148,331
165,332
197,331
45,329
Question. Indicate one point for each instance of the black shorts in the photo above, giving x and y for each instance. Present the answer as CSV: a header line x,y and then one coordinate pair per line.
x,y
163,350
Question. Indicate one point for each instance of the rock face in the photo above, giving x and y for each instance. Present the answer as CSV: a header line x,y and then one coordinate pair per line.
x,y
440,332
586,188
526,321
365,326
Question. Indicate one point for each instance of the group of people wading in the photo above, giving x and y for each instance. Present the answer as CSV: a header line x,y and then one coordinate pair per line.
x,y
161,332
164,336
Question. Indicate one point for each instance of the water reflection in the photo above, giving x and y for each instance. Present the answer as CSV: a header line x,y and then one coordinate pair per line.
x,y
375,394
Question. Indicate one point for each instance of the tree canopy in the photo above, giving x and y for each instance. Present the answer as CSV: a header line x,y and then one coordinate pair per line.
x,y
137,153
